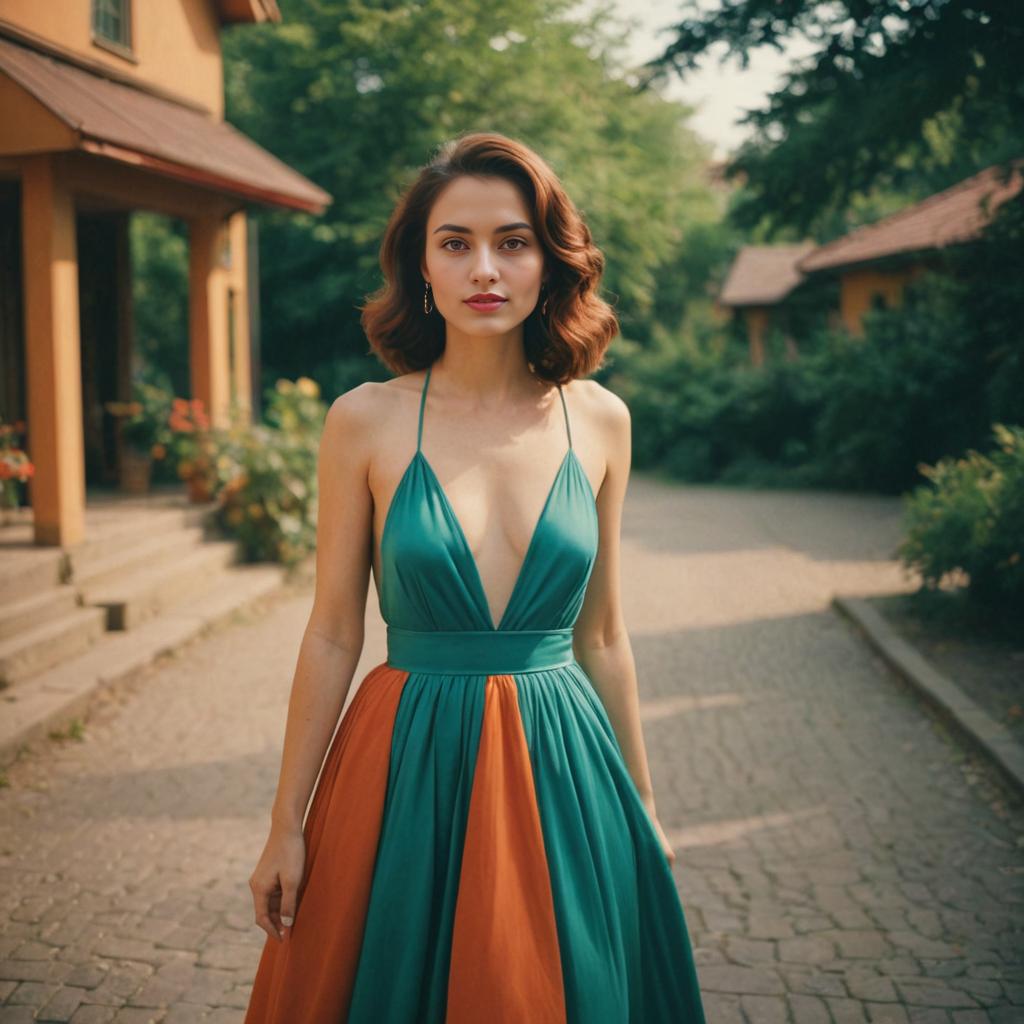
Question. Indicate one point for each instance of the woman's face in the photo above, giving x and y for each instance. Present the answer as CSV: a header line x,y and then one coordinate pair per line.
x,y
480,240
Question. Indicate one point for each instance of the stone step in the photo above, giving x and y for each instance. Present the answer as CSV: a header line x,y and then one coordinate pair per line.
x,y
24,572
138,595
51,699
114,531
50,642
32,610
107,563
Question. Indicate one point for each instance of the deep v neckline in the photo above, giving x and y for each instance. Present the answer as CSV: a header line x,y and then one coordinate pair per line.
x,y
476,581
463,540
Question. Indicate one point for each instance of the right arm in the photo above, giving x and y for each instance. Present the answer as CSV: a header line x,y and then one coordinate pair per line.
x,y
330,649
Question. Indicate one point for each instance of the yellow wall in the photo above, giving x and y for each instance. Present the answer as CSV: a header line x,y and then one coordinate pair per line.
x,y
176,43
27,126
858,288
758,320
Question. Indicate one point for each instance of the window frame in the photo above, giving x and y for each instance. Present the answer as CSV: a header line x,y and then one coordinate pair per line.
x,y
120,47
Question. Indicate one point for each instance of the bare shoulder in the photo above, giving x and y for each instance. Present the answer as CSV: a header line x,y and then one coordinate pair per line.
x,y
356,415
606,414
350,416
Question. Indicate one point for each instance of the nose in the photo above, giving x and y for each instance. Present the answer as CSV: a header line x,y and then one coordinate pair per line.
x,y
484,267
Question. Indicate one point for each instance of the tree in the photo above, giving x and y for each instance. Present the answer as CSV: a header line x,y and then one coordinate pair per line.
x,y
905,95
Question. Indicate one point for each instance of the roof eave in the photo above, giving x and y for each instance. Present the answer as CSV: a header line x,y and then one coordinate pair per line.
x,y
204,179
246,12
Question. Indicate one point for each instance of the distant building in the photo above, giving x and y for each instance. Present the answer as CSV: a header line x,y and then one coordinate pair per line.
x,y
876,262
869,266
110,106
758,282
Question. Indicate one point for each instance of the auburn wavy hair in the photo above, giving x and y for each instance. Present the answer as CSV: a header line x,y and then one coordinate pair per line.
x,y
567,342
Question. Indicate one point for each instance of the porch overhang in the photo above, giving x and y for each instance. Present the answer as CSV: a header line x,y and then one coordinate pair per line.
x,y
74,108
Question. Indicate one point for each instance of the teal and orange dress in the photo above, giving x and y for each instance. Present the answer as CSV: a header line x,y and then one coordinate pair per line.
x,y
476,850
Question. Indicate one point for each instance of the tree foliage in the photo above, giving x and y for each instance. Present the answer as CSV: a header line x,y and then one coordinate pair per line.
x,y
909,95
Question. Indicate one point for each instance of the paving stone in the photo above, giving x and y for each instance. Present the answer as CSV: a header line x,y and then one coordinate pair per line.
x,y
887,1013
806,1009
846,1011
806,950
764,1009
934,995
731,978
93,1014
63,1005
33,993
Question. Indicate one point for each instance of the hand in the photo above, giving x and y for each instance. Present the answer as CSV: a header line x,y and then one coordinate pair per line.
x,y
666,846
276,880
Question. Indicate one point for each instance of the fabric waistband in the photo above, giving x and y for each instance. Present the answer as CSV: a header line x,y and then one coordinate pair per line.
x,y
479,652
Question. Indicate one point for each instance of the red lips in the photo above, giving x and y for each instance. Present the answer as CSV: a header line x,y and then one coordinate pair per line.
x,y
489,297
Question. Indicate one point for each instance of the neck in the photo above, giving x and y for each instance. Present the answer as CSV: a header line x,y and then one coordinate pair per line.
x,y
493,367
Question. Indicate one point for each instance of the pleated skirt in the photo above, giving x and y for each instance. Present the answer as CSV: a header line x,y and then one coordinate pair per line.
x,y
476,851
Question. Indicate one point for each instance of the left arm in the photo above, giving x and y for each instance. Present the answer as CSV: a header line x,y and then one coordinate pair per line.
x,y
600,640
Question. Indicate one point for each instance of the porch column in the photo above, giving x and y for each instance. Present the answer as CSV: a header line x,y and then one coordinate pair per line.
x,y
208,278
241,342
52,358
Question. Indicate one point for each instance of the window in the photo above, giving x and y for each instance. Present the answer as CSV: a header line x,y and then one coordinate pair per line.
x,y
111,22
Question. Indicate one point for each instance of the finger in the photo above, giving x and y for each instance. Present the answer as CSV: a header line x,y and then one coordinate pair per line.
x,y
265,900
288,903
265,922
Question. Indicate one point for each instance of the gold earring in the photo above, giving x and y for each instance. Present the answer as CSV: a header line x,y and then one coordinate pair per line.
x,y
426,292
544,308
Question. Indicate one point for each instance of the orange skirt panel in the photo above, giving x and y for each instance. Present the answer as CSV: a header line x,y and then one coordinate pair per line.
x,y
505,964
309,975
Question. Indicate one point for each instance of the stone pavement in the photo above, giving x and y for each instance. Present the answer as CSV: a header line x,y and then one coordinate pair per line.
x,y
840,856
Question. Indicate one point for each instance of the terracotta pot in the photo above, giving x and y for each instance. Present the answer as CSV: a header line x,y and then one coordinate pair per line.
x,y
199,489
136,470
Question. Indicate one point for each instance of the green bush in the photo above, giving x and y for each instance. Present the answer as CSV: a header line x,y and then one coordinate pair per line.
x,y
970,520
703,417
908,391
269,501
851,412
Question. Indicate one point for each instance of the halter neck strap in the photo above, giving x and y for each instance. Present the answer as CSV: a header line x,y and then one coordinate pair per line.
x,y
423,399
565,410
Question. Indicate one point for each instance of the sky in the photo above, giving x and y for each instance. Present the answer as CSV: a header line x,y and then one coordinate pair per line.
x,y
720,93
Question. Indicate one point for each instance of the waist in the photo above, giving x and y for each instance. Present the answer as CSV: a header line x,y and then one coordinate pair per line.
x,y
479,652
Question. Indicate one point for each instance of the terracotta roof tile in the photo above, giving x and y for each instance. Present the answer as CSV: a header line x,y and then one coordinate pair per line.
x,y
951,216
762,275
110,113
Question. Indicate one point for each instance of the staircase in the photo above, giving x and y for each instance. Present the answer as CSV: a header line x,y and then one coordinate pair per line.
x,y
152,574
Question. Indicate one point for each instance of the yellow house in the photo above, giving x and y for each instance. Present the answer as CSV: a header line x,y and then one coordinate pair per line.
x,y
106,107
756,287
874,264
870,266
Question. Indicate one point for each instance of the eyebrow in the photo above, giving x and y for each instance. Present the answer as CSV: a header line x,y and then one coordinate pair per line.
x,y
517,225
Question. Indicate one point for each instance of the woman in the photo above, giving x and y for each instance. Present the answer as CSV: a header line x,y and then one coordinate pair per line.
x,y
483,843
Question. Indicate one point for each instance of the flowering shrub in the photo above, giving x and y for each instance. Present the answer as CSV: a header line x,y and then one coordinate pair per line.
x,y
970,520
15,466
269,499
195,447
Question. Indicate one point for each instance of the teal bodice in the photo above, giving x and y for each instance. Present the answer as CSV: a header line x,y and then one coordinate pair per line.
x,y
431,594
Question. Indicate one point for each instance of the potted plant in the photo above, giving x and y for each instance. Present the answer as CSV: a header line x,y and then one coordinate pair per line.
x,y
15,468
143,431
